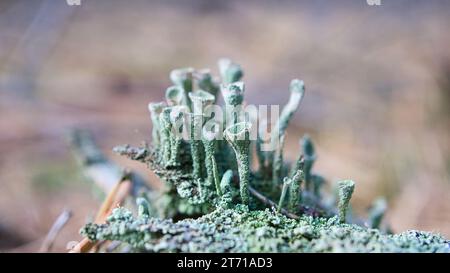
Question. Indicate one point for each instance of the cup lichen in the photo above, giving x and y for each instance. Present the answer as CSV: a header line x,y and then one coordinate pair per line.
x,y
345,189
238,135
213,201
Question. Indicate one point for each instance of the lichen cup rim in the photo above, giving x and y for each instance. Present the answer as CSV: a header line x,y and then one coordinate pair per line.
x,y
233,93
156,106
227,89
202,95
239,134
174,94
176,73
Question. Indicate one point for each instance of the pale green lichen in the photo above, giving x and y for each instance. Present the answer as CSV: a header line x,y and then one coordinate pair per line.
x,y
233,95
177,126
166,136
214,202
225,183
210,144
239,229
230,71
345,188
174,95
183,79
309,158
376,212
297,90
144,208
155,109
206,82
277,164
286,184
238,137
295,190
196,145
200,99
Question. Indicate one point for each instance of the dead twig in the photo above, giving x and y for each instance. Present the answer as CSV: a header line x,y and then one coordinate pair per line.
x,y
270,203
115,198
106,175
57,226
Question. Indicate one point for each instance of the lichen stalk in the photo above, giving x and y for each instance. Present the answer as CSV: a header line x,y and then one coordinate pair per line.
x,y
260,156
206,82
209,143
195,143
226,189
376,212
277,164
309,157
165,134
174,96
143,205
176,134
183,78
209,155
225,182
295,191
345,191
238,137
297,92
229,71
286,183
317,182
233,95
216,176
200,100
155,109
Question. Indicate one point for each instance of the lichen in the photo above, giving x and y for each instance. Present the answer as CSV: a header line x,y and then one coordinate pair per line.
x,y
213,201
239,229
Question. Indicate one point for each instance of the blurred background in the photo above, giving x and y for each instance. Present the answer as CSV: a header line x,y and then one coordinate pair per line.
x,y
377,103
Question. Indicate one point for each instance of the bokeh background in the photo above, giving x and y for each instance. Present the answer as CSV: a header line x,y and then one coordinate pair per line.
x,y
377,102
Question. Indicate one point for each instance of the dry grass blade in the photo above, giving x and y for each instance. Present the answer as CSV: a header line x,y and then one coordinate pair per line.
x,y
115,197
57,226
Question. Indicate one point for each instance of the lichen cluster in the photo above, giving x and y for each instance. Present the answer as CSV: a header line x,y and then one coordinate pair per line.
x,y
242,230
217,199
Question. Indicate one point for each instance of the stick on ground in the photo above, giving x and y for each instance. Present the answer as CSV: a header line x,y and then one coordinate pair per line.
x,y
57,226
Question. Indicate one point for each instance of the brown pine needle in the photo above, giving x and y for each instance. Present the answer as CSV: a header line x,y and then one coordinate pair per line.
x,y
115,197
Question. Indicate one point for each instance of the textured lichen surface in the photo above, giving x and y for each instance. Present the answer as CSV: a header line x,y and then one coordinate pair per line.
x,y
240,230
215,200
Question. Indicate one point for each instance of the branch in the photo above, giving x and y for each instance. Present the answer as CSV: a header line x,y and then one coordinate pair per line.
x,y
115,197
98,167
270,203
57,226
